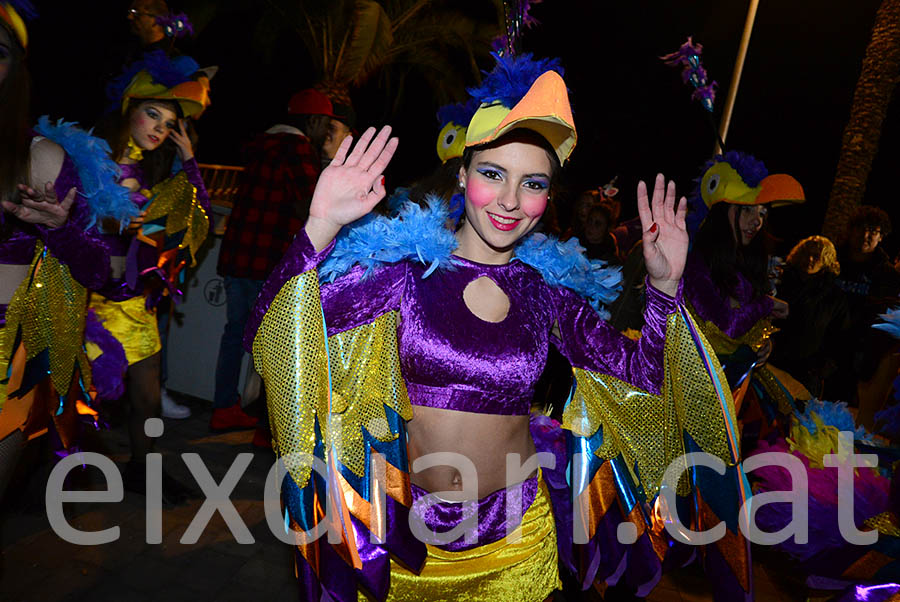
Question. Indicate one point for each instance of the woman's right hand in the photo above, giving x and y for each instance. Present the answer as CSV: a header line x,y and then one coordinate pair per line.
x,y
136,223
779,308
350,186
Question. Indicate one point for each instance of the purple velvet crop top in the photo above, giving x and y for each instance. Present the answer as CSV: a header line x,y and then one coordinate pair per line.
x,y
452,359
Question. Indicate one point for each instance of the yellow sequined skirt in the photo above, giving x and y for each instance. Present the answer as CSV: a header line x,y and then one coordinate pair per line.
x,y
519,568
131,323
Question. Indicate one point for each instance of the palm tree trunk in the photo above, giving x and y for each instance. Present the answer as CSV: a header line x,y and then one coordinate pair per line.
x,y
877,80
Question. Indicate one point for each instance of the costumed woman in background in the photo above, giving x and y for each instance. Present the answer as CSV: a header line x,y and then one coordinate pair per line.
x,y
406,338
55,182
147,128
726,284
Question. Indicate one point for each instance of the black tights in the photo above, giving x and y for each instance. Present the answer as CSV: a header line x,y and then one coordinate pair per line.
x,y
142,391
11,448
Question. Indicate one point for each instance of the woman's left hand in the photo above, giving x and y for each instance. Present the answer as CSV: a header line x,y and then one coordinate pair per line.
x,y
41,208
665,235
182,142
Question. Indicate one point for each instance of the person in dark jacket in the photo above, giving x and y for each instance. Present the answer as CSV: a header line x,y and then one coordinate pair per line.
x,y
811,338
872,285
282,168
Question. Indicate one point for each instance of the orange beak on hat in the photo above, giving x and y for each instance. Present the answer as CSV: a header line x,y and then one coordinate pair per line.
x,y
780,189
721,183
544,108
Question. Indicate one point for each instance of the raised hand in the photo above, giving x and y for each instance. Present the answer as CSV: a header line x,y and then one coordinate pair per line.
x,y
665,234
351,185
41,208
182,142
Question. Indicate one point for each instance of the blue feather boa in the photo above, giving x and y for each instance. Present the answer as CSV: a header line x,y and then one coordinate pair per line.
x,y
417,233
98,173
833,414
421,234
565,264
890,322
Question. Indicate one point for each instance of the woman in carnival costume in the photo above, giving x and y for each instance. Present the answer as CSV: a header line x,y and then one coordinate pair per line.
x,y
727,287
152,100
399,338
56,182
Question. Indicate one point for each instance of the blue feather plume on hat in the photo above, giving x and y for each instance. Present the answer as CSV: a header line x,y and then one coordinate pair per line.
x,y
511,78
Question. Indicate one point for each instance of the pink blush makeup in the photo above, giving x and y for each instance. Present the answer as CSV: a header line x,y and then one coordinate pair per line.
x,y
534,208
479,194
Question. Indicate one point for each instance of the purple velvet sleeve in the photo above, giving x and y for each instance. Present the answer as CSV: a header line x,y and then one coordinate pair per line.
x,y
192,171
590,343
83,251
711,305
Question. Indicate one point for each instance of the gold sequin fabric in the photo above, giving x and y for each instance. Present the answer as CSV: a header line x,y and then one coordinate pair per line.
x,y
646,429
49,309
755,338
175,199
289,352
885,523
365,379
774,389
723,344
131,323
523,567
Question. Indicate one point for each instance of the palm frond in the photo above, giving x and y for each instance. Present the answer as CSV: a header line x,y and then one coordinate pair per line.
x,y
369,43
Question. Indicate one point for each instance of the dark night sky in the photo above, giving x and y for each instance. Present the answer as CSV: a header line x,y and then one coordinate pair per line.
x,y
633,114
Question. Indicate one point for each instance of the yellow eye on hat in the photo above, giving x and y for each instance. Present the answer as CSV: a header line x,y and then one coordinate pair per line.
x,y
451,141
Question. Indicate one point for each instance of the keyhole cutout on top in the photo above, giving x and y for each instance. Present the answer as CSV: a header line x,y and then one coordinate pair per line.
x,y
486,300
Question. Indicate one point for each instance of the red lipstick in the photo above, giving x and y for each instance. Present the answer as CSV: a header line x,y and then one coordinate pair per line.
x,y
504,225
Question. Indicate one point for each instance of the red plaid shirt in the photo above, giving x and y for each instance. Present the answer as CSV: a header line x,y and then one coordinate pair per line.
x,y
271,206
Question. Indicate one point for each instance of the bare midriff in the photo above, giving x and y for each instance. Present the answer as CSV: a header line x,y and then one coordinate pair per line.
x,y
481,443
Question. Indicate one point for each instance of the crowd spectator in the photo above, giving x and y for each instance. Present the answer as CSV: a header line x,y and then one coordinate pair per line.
x,y
871,284
340,126
811,338
282,167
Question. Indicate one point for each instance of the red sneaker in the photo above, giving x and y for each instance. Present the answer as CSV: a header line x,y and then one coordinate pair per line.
x,y
262,437
230,419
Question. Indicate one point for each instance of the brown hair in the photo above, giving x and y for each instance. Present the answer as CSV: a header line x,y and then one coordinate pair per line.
x,y
15,137
815,246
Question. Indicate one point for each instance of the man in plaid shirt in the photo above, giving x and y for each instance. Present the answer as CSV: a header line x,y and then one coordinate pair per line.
x,y
271,206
